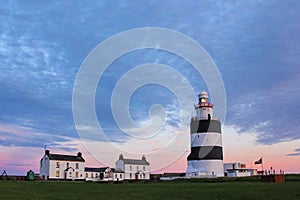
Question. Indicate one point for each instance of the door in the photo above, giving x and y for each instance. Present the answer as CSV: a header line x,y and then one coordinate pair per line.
x,y
101,175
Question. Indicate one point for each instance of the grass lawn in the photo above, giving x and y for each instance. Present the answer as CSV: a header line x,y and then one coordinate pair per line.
x,y
161,190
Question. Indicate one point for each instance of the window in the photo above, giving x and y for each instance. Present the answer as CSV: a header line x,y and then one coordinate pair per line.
x,y
144,168
130,175
57,173
130,168
76,174
116,176
92,175
120,175
77,166
67,165
86,175
144,175
57,164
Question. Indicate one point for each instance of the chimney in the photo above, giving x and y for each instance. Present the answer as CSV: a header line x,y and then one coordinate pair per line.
x,y
47,152
79,154
144,158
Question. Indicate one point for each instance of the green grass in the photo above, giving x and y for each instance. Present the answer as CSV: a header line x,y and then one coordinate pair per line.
x,y
162,190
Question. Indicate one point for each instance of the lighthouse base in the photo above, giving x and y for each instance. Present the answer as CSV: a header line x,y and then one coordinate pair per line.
x,y
200,168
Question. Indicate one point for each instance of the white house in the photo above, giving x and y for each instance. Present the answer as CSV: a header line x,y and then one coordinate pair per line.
x,y
62,167
134,169
237,169
103,174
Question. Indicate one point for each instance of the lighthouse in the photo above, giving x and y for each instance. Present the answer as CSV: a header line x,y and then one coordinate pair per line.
x,y
206,157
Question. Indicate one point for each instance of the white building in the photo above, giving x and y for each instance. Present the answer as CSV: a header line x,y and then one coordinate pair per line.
x,y
103,174
62,167
134,169
206,157
237,169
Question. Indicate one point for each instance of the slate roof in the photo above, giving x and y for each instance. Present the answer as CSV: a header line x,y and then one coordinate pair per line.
x,y
66,157
77,157
94,169
117,170
135,162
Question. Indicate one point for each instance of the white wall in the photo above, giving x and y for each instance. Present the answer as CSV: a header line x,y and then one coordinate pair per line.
x,y
44,167
205,167
70,174
118,176
202,113
96,176
238,173
120,165
132,169
206,139
91,174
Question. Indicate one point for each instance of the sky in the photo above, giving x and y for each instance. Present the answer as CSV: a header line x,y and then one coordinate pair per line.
x,y
44,47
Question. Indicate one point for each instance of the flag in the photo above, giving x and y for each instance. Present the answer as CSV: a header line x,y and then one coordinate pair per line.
x,y
258,162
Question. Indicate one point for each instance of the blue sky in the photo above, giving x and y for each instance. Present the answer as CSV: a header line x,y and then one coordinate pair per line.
x,y
255,45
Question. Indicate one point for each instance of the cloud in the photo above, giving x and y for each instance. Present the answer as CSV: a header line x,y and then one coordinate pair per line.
x,y
169,143
42,45
295,154
269,112
242,147
14,136
18,164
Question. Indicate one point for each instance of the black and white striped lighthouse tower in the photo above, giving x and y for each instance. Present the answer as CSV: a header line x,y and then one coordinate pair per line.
x,y
206,157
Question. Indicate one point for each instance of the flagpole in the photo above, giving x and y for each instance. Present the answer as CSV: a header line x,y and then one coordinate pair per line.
x,y
260,161
262,165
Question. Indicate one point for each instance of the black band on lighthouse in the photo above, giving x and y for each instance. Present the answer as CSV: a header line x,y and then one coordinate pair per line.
x,y
206,153
203,126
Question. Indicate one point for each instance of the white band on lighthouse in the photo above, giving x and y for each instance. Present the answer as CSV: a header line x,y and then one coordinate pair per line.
x,y
209,139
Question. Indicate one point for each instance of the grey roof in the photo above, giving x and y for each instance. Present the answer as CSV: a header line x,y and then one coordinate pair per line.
x,y
135,162
51,156
66,157
117,170
95,169
101,169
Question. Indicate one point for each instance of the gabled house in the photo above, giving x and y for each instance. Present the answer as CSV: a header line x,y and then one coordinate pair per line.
x,y
62,167
134,169
103,174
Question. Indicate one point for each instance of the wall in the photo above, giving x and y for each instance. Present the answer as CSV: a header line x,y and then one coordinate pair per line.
x,y
44,167
135,168
71,174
